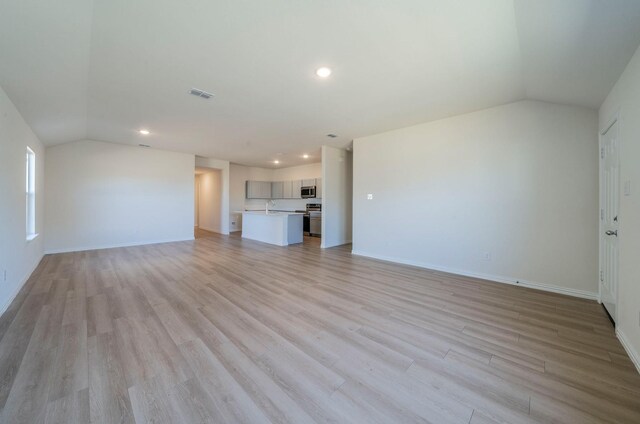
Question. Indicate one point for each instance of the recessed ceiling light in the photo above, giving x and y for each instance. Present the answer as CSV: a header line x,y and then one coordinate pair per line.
x,y
323,72
144,132
305,156
276,162
331,135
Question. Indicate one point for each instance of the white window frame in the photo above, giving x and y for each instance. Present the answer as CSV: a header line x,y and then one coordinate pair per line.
x,y
30,194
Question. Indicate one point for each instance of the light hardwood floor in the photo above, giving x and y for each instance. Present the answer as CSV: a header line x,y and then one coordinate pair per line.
x,y
223,330
201,233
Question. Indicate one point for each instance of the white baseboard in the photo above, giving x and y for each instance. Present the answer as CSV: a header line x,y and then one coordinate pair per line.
x,y
340,243
20,285
633,354
497,278
112,246
211,230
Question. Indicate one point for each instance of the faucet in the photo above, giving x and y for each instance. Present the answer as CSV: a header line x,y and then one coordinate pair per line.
x,y
266,206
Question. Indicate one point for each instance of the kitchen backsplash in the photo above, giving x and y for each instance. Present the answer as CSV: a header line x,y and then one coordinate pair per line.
x,y
283,204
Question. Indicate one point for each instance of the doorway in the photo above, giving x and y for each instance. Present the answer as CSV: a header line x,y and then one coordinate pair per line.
x,y
609,219
208,202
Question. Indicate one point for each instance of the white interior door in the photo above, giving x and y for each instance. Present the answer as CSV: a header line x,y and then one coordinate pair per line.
x,y
609,204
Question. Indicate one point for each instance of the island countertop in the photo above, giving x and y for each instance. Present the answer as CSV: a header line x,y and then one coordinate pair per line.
x,y
274,213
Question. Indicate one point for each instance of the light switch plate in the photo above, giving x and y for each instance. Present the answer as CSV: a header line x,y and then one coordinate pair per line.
x,y
369,196
627,188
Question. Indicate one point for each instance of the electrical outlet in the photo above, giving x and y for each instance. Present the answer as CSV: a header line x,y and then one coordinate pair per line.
x,y
4,275
486,256
627,188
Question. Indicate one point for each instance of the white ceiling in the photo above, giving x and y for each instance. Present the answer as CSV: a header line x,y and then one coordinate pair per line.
x,y
104,69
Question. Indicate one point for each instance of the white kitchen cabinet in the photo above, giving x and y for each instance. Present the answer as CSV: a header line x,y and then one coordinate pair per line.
x,y
258,189
277,190
251,189
265,187
287,189
281,189
296,186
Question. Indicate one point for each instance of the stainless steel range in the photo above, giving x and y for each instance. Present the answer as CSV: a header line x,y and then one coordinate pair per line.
x,y
313,219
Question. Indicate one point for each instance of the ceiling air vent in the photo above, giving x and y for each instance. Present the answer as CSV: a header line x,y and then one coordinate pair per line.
x,y
200,93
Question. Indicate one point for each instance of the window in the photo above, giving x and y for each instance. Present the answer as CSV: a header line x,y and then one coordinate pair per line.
x,y
31,195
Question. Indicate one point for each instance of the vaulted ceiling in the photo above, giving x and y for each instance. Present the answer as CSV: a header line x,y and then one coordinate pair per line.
x,y
103,69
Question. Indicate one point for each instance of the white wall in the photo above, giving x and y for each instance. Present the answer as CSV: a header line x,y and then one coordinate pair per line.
x,y
312,170
18,257
337,179
104,195
518,182
210,201
625,98
224,167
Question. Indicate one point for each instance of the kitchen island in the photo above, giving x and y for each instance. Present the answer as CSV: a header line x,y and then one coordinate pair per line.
x,y
279,228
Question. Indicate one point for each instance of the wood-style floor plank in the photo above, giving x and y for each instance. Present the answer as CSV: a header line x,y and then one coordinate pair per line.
x,y
225,330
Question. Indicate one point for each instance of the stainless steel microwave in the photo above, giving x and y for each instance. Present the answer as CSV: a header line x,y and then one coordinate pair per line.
x,y
308,192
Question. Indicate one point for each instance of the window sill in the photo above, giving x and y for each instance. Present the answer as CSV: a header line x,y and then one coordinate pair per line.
x,y
32,237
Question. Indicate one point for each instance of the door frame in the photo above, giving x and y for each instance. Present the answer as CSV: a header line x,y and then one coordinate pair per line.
x,y
615,118
197,200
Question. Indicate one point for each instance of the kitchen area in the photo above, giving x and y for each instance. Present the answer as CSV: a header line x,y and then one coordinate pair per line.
x,y
280,211
308,204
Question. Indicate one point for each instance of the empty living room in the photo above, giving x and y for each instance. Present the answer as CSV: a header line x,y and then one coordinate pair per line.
x,y
319,211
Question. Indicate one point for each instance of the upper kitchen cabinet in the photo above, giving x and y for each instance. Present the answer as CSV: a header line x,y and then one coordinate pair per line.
x,y
291,189
296,186
258,189
277,190
287,189
281,189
